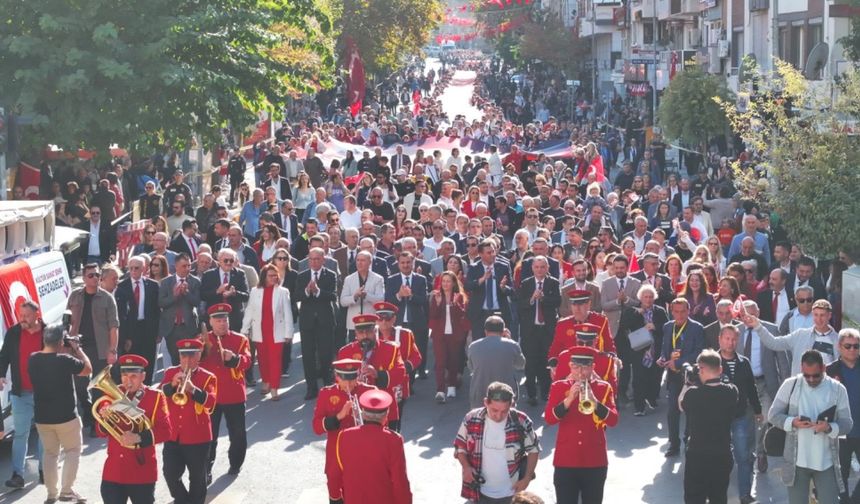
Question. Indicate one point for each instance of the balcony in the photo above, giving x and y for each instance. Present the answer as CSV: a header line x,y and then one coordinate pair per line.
x,y
684,7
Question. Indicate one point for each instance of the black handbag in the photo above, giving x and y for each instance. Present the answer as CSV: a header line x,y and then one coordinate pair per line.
x,y
774,437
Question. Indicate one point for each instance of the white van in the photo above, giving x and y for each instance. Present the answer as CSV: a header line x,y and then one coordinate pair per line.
x,y
31,270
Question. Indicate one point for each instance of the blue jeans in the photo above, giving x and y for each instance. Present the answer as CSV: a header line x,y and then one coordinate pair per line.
x,y
22,419
743,450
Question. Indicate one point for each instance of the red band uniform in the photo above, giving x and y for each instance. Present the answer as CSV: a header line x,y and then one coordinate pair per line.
x,y
192,432
604,362
230,395
370,458
131,473
580,450
383,357
405,340
330,403
565,330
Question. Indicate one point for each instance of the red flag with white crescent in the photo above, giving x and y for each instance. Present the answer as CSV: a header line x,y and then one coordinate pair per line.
x,y
29,178
416,100
356,77
16,286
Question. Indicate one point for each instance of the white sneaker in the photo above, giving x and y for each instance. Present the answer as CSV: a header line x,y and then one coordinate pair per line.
x,y
440,397
452,392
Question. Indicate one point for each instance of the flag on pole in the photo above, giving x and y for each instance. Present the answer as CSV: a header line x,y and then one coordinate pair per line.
x,y
29,178
356,77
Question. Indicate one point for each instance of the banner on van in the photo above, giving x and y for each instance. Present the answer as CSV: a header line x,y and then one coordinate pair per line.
x,y
16,286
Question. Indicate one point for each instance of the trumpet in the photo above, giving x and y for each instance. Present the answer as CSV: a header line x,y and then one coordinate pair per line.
x,y
180,398
586,401
356,410
123,414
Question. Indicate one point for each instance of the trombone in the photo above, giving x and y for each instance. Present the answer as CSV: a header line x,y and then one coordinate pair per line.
x,y
180,398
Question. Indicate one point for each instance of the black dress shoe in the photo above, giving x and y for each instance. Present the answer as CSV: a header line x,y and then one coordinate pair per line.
x,y
233,471
311,394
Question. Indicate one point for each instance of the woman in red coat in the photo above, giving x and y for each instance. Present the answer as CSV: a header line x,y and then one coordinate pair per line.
x,y
449,327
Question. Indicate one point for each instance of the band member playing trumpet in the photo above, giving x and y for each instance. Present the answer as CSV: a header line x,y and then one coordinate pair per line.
x,y
605,363
131,470
227,356
388,330
583,407
382,364
336,410
191,393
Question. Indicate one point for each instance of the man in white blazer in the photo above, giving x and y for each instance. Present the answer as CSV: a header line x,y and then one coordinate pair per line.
x,y
361,290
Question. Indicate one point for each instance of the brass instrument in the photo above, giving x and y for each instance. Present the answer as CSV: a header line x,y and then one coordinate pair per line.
x,y
123,414
356,409
180,398
586,399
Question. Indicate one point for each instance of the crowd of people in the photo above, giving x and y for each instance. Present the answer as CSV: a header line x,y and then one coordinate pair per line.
x,y
578,284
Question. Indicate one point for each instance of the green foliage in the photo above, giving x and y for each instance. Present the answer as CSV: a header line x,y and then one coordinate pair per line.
x,y
851,42
386,31
687,109
549,41
143,73
811,163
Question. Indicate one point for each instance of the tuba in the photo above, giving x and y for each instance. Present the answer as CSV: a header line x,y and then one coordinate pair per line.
x,y
123,414
586,402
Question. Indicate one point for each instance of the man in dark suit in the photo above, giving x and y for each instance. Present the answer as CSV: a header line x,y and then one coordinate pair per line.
x,y
540,247
244,254
775,303
725,316
407,290
287,221
683,341
538,303
179,299
488,283
281,184
400,160
138,314
684,197
649,274
226,284
100,250
316,290
407,244
187,241
301,245
804,274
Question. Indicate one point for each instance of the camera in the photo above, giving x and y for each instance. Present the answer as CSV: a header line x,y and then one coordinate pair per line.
x,y
691,374
67,325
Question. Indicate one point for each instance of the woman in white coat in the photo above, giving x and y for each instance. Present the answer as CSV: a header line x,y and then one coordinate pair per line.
x,y
268,323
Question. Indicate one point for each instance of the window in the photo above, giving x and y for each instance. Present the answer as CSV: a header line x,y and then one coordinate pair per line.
x,y
795,55
648,33
737,48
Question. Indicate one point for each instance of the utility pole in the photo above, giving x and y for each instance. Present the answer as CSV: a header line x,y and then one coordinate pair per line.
x,y
654,65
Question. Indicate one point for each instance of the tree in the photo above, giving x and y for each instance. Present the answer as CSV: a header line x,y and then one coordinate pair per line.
x,y
851,42
688,111
140,74
549,41
387,30
799,139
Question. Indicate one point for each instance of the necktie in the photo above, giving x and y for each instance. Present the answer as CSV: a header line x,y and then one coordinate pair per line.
x,y
651,280
179,319
137,298
748,344
226,278
351,261
490,294
537,305
316,276
774,305
621,285
193,249
406,305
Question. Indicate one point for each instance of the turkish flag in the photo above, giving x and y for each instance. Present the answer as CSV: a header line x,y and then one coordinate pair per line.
x,y
416,100
29,178
356,77
16,286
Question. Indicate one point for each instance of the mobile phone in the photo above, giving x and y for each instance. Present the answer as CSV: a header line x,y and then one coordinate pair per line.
x,y
805,419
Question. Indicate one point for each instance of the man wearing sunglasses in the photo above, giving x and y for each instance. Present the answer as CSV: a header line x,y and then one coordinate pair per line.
x,y
801,315
846,372
814,410
100,243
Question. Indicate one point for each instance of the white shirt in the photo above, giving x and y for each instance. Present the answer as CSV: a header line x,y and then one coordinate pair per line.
x,y
782,307
139,283
813,450
489,284
94,249
449,328
755,353
638,242
316,278
351,220
494,464
276,185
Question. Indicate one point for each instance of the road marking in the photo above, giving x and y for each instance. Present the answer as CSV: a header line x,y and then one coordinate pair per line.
x,y
313,496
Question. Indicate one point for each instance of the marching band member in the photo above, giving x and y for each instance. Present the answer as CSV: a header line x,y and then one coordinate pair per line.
x,y
191,393
565,334
336,410
604,362
227,357
583,407
371,461
131,469
404,338
382,364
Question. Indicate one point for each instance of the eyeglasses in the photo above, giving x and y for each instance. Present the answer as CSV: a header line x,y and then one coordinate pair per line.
x,y
438,227
95,213
471,244
803,300
849,346
280,258
93,275
748,271
227,261
812,376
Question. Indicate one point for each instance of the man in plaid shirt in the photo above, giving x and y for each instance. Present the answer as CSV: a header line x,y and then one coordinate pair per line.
x,y
497,447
